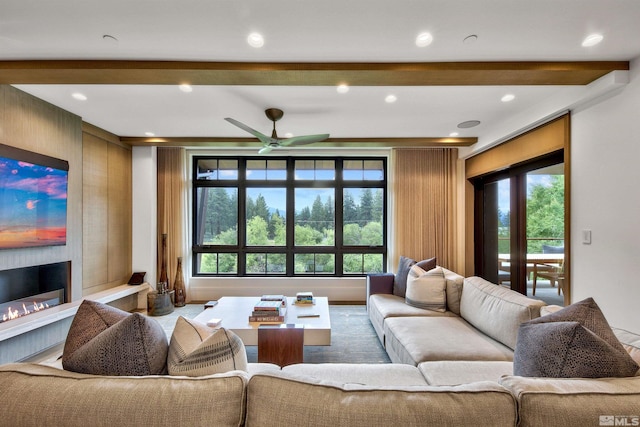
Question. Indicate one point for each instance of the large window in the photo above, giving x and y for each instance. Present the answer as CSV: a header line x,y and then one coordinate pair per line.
x,y
289,216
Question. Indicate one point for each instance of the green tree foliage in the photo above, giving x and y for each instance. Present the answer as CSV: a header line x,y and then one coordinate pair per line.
x,y
279,231
317,217
251,208
257,232
307,236
351,234
378,206
545,213
226,263
220,212
372,234
261,208
365,211
350,211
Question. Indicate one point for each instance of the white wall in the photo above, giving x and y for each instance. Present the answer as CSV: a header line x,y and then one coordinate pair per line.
x,y
605,158
144,246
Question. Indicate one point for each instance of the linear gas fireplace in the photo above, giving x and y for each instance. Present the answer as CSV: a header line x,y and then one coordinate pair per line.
x,y
28,290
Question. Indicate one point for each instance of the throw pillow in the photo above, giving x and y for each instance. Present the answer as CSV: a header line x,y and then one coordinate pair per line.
x,y
427,289
104,340
400,279
197,349
575,342
427,264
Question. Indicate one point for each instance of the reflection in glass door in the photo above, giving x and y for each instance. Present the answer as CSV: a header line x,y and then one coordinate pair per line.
x,y
497,231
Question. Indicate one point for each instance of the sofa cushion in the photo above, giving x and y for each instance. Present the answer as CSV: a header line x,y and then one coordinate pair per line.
x,y
285,399
496,311
104,340
400,279
412,340
454,372
575,342
427,264
455,283
78,400
383,374
426,289
575,402
197,349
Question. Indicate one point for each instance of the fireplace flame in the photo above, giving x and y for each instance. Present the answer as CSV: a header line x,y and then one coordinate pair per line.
x,y
13,313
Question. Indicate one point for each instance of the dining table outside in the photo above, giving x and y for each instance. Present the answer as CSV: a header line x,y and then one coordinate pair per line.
x,y
533,259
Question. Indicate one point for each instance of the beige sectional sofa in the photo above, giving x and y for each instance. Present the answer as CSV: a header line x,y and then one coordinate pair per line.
x,y
481,321
442,383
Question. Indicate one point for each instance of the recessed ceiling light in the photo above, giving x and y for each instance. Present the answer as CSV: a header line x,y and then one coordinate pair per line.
x,y
424,39
79,96
150,134
508,97
390,99
186,88
469,124
454,134
288,135
470,39
255,40
592,40
342,88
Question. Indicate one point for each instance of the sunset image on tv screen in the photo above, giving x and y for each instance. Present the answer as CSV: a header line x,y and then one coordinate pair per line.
x,y
33,205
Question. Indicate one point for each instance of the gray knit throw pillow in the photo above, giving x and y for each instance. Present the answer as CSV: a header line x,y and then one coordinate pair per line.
x,y
400,278
575,342
104,340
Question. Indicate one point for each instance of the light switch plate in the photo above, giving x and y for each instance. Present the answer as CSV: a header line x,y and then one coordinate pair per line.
x,y
586,237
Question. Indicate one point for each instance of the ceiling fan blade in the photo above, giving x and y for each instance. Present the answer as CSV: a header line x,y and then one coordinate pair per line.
x,y
303,139
266,149
262,137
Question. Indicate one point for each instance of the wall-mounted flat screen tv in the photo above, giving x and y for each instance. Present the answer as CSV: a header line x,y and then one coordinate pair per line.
x,y
33,199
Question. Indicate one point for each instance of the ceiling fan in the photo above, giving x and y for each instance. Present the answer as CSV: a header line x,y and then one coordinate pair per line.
x,y
275,114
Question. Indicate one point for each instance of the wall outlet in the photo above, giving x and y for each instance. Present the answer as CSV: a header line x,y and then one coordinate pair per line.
x,y
586,237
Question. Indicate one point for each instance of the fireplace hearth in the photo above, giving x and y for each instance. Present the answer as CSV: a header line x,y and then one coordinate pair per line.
x,y
28,290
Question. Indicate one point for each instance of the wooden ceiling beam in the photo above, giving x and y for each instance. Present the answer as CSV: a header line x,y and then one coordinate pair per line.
x,y
305,74
219,142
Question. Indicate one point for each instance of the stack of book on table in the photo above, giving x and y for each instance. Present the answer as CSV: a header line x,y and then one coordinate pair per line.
x,y
304,298
269,311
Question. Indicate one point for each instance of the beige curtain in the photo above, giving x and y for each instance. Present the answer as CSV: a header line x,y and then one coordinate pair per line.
x,y
424,204
171,205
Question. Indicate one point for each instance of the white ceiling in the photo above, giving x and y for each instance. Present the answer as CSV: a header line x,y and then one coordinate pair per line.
x,y
305,31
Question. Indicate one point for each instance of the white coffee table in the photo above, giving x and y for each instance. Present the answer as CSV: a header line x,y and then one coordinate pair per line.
x,y
235,311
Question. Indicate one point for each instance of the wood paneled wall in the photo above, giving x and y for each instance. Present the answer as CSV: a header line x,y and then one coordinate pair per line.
x,y
107,211
32,124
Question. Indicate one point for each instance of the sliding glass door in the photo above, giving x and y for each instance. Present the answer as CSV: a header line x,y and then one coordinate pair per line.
x,y
520,228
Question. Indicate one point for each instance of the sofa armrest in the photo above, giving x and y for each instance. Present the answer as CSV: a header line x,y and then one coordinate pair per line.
x,y
381,283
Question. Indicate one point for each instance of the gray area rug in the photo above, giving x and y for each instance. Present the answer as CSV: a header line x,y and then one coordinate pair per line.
x,y
353,339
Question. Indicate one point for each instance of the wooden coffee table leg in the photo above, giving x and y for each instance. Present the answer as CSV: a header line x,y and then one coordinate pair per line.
x,y
280,344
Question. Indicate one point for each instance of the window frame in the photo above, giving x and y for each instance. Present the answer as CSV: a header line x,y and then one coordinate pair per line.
x,y
290,184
